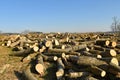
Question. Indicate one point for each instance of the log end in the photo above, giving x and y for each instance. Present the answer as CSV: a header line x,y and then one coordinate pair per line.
x,y
103,73
114,44
115,61
59,74
48,43
113,52
40,69
55,58
99,56
35,49
107,43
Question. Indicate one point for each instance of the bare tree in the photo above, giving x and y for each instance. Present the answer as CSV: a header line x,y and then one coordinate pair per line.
x,y
115,25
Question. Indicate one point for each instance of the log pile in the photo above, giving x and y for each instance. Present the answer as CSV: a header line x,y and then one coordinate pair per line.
x,y
76,56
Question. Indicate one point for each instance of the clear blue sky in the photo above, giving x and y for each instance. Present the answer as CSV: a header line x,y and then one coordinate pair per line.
x,y
57,15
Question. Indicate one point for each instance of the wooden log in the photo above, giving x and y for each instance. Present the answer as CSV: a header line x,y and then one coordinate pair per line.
x,y
39,67
49,58
118,46
90,78
35,48
28,75
77,74
56,42
86,53
64,40
113,44
42,49
15,43
102,42
9,43
106,53
77,47
60,71
54,54
59,46
21,53
109,53
86,60
96,47
62,51
66,63
95,51
29,57
97,71
47,43
87,42
110,60
114,67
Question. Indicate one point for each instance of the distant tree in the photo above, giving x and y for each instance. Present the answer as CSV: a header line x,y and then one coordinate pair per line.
x,y
115,24
25,31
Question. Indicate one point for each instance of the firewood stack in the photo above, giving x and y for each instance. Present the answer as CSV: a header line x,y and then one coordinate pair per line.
x,y
85,56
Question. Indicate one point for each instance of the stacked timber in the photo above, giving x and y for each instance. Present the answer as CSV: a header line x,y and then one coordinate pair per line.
x,y
77,56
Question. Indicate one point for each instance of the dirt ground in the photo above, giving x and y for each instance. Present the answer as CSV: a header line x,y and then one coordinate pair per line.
x,y
10,67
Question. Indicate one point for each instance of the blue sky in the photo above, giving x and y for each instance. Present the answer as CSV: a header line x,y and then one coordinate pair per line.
x,y
57,15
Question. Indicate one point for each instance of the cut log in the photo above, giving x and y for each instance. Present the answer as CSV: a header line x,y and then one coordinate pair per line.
x,y
86,53
77,47
97,71
109,53
29,57
15,43
47,43
90,78
77,74
114,69
113,44
59,46
102,42
86,60
28,75
63,47
111,60
60,71
56,42
118,46
49,58
9,43
99,48
42,49
62,51
35,48
39,67
21,53
66,63
54,54
95,51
